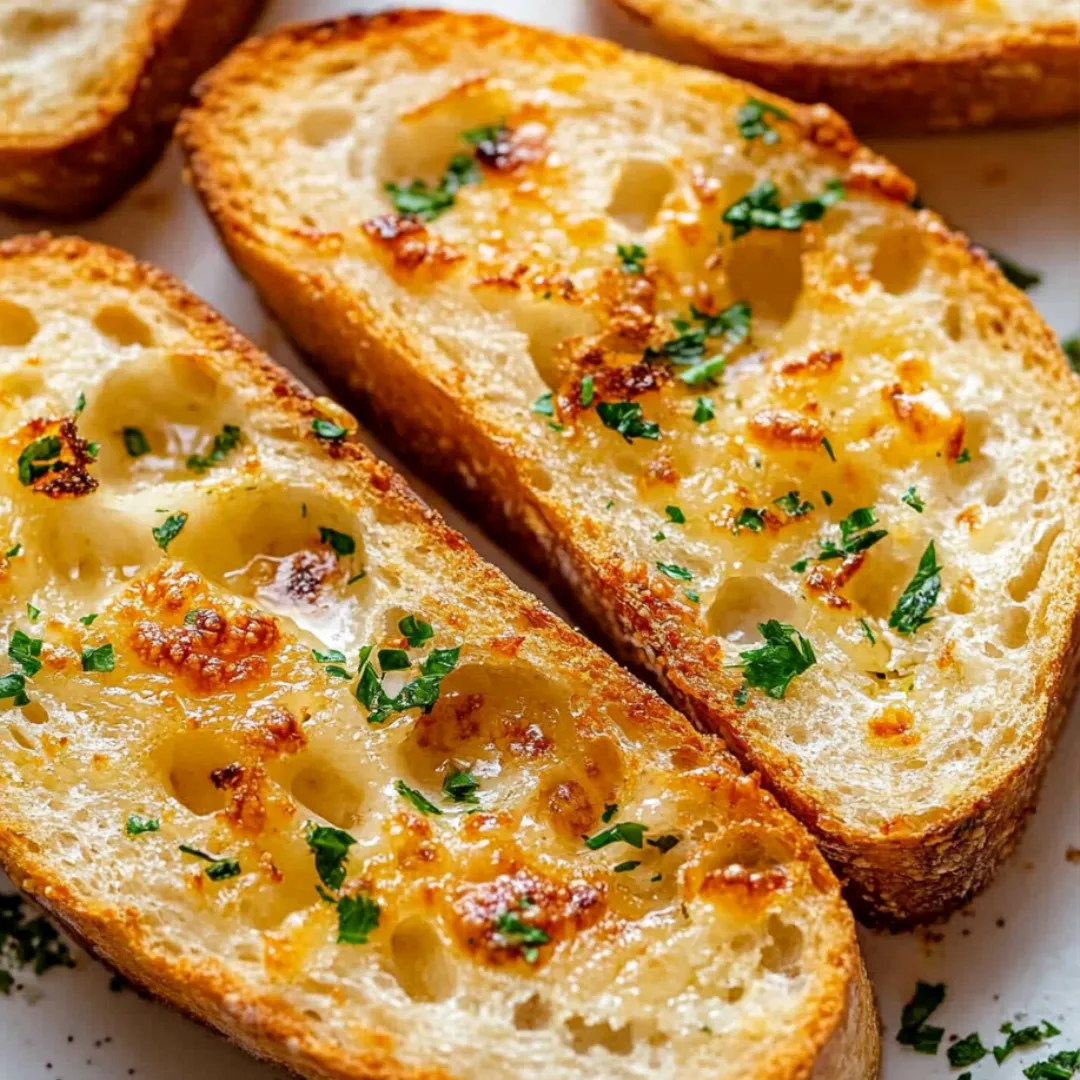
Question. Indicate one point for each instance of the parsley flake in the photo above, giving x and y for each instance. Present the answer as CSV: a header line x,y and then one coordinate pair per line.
x,y
137,826
792,505
342,543
673,570
632,257
512,932
135,442
771,666
663,843
415,631
100,659
461,787
967,1051
1015,274
587,392
1018,1037
169,529
760,208
424,202
331,849
544,405
625,418
704,410
32,612
225,441
46,449
217,869
625,832
610,810
752,120
675,515
920,595
1070,346
630,864
13,685
328,430
358,916
418,800
749,518
914,1031
1059,1067
911,497
25,651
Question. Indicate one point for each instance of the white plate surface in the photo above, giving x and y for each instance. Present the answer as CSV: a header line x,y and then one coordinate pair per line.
x,y
1014,955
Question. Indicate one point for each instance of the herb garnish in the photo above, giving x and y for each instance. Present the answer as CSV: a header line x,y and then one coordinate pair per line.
x,y
867,632
13,685
415,631
625,832
760,208
828,449
855,535
86,620
169,529
610,810
394,660
1018,1037
630,864
587,391
911,497
424,202
663,843
417,798
914,1031
25,942
422,692
625,418
328,430
32,612
217,869
749,518
1015,274
342,543
1070,346
792,505
358,916
513,932
967,1051
920,595
772,666
1060,1066
135,442
752,120
24,651
732,324
226,440
331,849
673,570
100,659
632,257
46,449
544,405
675,515
13,551
461,787
704,410
137,825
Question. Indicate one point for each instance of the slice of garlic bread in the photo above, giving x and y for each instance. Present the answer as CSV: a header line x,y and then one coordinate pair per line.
x,y
89,92
852,552
892,67
279,746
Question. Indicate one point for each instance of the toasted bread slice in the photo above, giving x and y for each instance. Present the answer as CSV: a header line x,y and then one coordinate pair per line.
x,y
89,93
346,876
894,67
554,336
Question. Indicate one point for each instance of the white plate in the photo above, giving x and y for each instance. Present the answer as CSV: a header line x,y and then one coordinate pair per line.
x,y
1014,955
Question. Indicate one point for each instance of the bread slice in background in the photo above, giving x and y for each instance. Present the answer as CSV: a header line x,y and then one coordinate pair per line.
x,y
893,67
876,337
89,92
224,718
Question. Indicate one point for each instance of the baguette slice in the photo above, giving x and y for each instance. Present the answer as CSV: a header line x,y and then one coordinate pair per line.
x,y
89,93
893,67
566,273
187,677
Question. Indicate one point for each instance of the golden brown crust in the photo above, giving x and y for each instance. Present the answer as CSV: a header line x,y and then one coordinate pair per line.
x,y
839,1037
77,173
895,877
1010,78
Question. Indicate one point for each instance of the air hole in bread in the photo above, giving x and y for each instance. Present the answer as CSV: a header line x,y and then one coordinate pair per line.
x,y
899,259
421,964
586,1037
1040,492
952,321
1024,583
18,325
36,713
421,142
325,124
997,491
323,790
639,192
192,759
22,737
1014,627
532,1014
765,270
960,598
742,603
782,952
29,24
122,326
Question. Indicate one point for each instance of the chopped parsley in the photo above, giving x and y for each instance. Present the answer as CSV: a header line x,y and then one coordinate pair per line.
x,y
792,505
856,535
461,787
417,798
760,208
632,257
914,1031
342,543
13,551
394,660
752,120
80,404
587,392
920,595
358,916
610,810
46,449
771,666
828,449
544,405
707,372
512,932
225,441
137,825
331,849
1059,1067
963,457
1070,346
911,497
169,529
27,942
1015,274
86,620
13,685
826,498
673,570
135,442
688,348
625,418
100,659
425,202
867,632
675,515
749,518
32,612
967,1051
630,864
663,843
625,832
415,631
25,651
328,430
422,692
217,869
1018,1037
704,410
